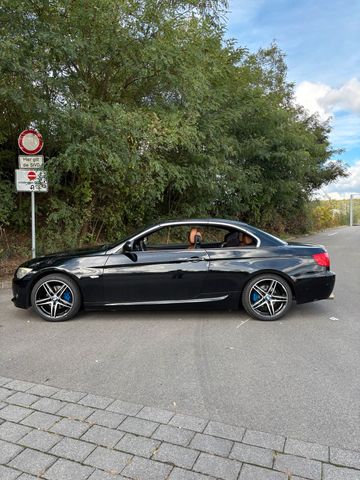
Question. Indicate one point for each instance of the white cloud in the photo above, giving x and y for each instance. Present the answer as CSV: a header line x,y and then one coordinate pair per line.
x,y
341,105
309,94
321,98
345,186
346,97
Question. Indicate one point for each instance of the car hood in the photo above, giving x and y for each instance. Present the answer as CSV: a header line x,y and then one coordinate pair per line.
x,y
50,259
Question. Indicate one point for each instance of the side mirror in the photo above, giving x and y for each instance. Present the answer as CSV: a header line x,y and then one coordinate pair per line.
x,y
127,247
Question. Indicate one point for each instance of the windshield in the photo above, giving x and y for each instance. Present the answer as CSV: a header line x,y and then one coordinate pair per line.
x,y
133,234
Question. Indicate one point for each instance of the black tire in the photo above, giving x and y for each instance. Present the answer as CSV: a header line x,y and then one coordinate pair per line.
x,y
267,297
51,306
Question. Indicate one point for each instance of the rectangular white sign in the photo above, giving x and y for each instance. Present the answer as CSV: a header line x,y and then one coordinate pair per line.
x,y
31,180
31,161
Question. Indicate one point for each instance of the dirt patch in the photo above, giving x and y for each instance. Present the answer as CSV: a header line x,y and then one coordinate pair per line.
x,y
9,265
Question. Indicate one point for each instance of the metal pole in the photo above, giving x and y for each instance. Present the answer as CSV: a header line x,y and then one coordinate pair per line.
x,y
33,247
351,210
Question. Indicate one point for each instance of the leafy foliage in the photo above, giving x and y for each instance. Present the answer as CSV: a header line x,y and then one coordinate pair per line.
x,y
148,112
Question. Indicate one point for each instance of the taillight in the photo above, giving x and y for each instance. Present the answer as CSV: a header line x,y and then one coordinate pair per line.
x,y
322,259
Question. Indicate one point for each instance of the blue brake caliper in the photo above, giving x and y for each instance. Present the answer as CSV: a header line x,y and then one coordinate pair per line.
x,y
67,295
254,297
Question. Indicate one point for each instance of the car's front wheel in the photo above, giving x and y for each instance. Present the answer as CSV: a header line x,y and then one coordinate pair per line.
x,y
56,297
267,297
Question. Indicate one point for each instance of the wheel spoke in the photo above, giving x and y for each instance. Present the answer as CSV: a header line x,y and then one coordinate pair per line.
x,y
272,287
259,290
51,309
64,303
48,289
279,300
259,303
270,307
61,290
279,297
43,301
55,309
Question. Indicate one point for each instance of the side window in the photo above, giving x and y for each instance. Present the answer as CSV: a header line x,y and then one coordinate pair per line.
x,y
178,237
214,237
169,238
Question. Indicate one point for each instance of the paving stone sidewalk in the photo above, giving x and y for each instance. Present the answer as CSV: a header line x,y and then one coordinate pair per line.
x,y
57,434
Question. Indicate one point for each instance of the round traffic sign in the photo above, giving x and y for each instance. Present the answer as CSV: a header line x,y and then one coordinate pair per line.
x,y
30,141
31,175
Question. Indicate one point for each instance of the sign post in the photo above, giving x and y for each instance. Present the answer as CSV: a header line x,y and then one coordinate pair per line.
x,y
33,235
30,176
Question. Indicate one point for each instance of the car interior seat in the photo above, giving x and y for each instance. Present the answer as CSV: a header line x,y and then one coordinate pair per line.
x,y
194,239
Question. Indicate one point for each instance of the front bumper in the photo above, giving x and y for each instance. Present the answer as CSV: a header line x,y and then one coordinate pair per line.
x,y
21,293
318,287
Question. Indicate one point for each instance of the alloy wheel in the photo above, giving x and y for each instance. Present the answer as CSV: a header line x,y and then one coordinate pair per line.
x,y
54,298
268,297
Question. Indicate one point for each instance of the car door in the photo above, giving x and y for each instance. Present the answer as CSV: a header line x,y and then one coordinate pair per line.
x,y
156,276
229,266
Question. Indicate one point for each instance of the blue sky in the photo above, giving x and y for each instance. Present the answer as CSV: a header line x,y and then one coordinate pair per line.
x,y
321,40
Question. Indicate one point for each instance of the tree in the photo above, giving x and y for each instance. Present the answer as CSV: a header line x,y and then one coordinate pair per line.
x,y
148,112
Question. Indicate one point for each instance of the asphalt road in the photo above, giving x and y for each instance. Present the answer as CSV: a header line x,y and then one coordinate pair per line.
x,y
299,376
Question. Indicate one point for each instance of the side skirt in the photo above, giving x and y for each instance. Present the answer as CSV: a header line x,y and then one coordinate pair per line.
x,y
168,302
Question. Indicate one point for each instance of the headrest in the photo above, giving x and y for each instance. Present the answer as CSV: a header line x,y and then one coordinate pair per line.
x,y
233,239
247,239
194,232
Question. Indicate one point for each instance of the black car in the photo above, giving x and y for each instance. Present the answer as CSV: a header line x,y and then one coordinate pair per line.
x,y
204,261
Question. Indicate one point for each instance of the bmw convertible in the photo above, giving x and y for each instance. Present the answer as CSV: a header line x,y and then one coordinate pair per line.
x,y
212,262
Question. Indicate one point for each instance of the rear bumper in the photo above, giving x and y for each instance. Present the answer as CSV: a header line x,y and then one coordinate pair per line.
x,y
313,288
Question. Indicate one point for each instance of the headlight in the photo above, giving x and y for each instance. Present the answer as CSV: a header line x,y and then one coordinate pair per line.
x,y
22,271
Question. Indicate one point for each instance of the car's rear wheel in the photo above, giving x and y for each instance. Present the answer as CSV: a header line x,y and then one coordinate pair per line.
x,y
267,297
56,298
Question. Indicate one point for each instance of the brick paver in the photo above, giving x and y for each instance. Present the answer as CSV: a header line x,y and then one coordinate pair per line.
x,y
176,455
136,445
176,435
106,419
106,459
8,451
40,420
209,444
106,437
346,458
143,469
32,461
63,469
73,449
306,449
13,413
58,434
7,473
253,455
40,440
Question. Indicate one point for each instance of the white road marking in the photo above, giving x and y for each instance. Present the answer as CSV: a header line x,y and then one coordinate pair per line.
x,y
242,323
331,234
334,319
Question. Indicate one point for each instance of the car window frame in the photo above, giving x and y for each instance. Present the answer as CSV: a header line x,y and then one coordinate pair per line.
x,y
118,249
